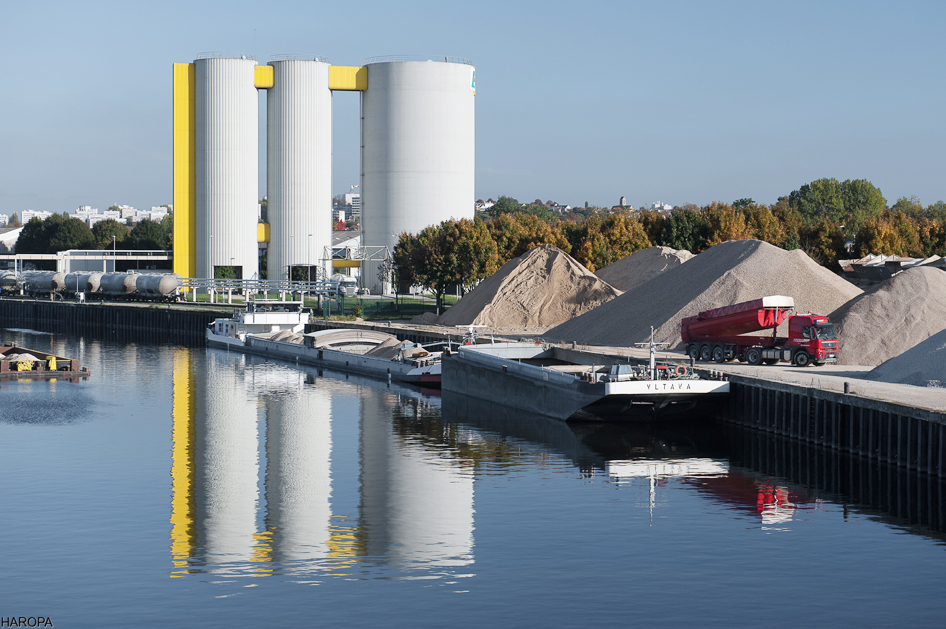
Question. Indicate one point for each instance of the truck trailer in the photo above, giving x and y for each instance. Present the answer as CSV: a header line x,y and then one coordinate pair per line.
x,y
724,334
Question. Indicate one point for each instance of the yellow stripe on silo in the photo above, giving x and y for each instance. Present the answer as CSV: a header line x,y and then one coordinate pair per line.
x,y
185,173
262,232
348,78
263,77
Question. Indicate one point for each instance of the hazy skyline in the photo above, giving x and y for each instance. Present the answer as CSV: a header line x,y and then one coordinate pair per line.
x,y
676,101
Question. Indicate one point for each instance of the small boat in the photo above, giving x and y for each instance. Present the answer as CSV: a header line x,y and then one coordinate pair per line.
x,y
21,363
261,316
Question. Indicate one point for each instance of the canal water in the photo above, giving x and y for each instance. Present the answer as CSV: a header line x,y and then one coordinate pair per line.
x,y
192,487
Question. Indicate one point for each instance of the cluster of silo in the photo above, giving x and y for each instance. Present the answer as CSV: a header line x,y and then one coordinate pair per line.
x,y
417,158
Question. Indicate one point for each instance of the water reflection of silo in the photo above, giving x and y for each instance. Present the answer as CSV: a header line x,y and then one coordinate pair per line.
x,y
298,472
226,460
416,500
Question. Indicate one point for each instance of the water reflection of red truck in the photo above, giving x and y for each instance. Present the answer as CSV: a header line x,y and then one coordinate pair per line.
x,y
720,334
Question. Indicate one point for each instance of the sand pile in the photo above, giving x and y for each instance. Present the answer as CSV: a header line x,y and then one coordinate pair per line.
x,y
541,288
728,273
389,348
428,318
922,365
905,310
641,266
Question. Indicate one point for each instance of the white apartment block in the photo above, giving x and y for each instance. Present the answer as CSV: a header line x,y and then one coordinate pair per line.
x,y
29,215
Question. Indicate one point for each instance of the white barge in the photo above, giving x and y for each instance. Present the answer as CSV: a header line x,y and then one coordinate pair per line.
x,y
565,383
277,330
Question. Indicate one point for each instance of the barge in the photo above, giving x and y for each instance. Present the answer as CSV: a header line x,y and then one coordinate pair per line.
x,y
275,330
17,363
565,383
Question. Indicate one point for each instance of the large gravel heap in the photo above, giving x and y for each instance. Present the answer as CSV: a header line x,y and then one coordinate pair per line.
x,y
726,274
905,310
922,365
641,266
540,289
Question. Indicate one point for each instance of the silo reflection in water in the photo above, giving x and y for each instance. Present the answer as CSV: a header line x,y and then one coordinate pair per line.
x,y
226,463
416,500
298,470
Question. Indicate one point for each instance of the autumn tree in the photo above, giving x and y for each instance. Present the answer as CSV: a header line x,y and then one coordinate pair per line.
x,y
723,223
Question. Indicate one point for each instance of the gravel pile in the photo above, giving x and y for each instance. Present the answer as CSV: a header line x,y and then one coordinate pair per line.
x,y
923,365
641,266
538,290
903,311
728,273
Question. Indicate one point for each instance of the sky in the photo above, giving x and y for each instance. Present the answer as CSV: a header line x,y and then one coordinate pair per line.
x,y
672,101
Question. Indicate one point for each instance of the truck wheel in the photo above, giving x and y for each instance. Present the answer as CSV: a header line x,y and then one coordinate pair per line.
x,y
801,358
754,356
693,351
719,355
706,352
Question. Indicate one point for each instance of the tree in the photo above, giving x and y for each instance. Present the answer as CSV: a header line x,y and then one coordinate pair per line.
x,y
14,220
686,229
723,224
33,237
762,224
104,230
848,203
739,204
476,254
147,234
505,205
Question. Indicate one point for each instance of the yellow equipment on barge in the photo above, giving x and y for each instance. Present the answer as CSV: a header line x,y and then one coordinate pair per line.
x,y
18,362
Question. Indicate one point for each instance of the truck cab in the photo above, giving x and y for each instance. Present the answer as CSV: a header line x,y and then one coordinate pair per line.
x,y
813,339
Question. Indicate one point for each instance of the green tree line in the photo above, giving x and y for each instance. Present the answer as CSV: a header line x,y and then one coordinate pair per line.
x,y
60,233
819,218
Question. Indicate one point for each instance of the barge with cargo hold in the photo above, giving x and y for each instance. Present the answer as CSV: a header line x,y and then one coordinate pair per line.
x,y
275,330
18,363
564,383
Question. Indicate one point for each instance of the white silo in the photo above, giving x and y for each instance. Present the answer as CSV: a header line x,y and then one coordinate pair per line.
x,y
417,148
299,164
227,164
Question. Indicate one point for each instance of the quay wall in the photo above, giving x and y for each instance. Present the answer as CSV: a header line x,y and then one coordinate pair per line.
x,y
887,432
160,323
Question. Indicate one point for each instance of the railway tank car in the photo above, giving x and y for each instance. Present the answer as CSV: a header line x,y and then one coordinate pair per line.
x,y
121,286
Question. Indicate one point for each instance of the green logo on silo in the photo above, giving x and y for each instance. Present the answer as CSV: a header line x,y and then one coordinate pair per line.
x,y
473,82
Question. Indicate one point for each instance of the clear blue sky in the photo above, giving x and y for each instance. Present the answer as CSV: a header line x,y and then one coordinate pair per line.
x,y
674,101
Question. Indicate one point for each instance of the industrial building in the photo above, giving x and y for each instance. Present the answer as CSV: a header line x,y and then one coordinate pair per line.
x,y
417,158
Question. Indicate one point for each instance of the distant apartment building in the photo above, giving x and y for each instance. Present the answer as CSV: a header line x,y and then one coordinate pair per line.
x,y
4,219
29,215
353,201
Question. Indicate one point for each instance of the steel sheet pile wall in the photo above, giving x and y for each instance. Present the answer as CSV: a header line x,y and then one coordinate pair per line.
x,y
227,156
905,436
299,165
417,149
184,326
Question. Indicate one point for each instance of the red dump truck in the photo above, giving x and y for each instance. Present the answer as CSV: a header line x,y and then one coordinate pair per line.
x,y
720,334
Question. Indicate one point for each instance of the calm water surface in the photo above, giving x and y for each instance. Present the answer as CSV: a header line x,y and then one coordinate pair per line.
x,y
192,487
